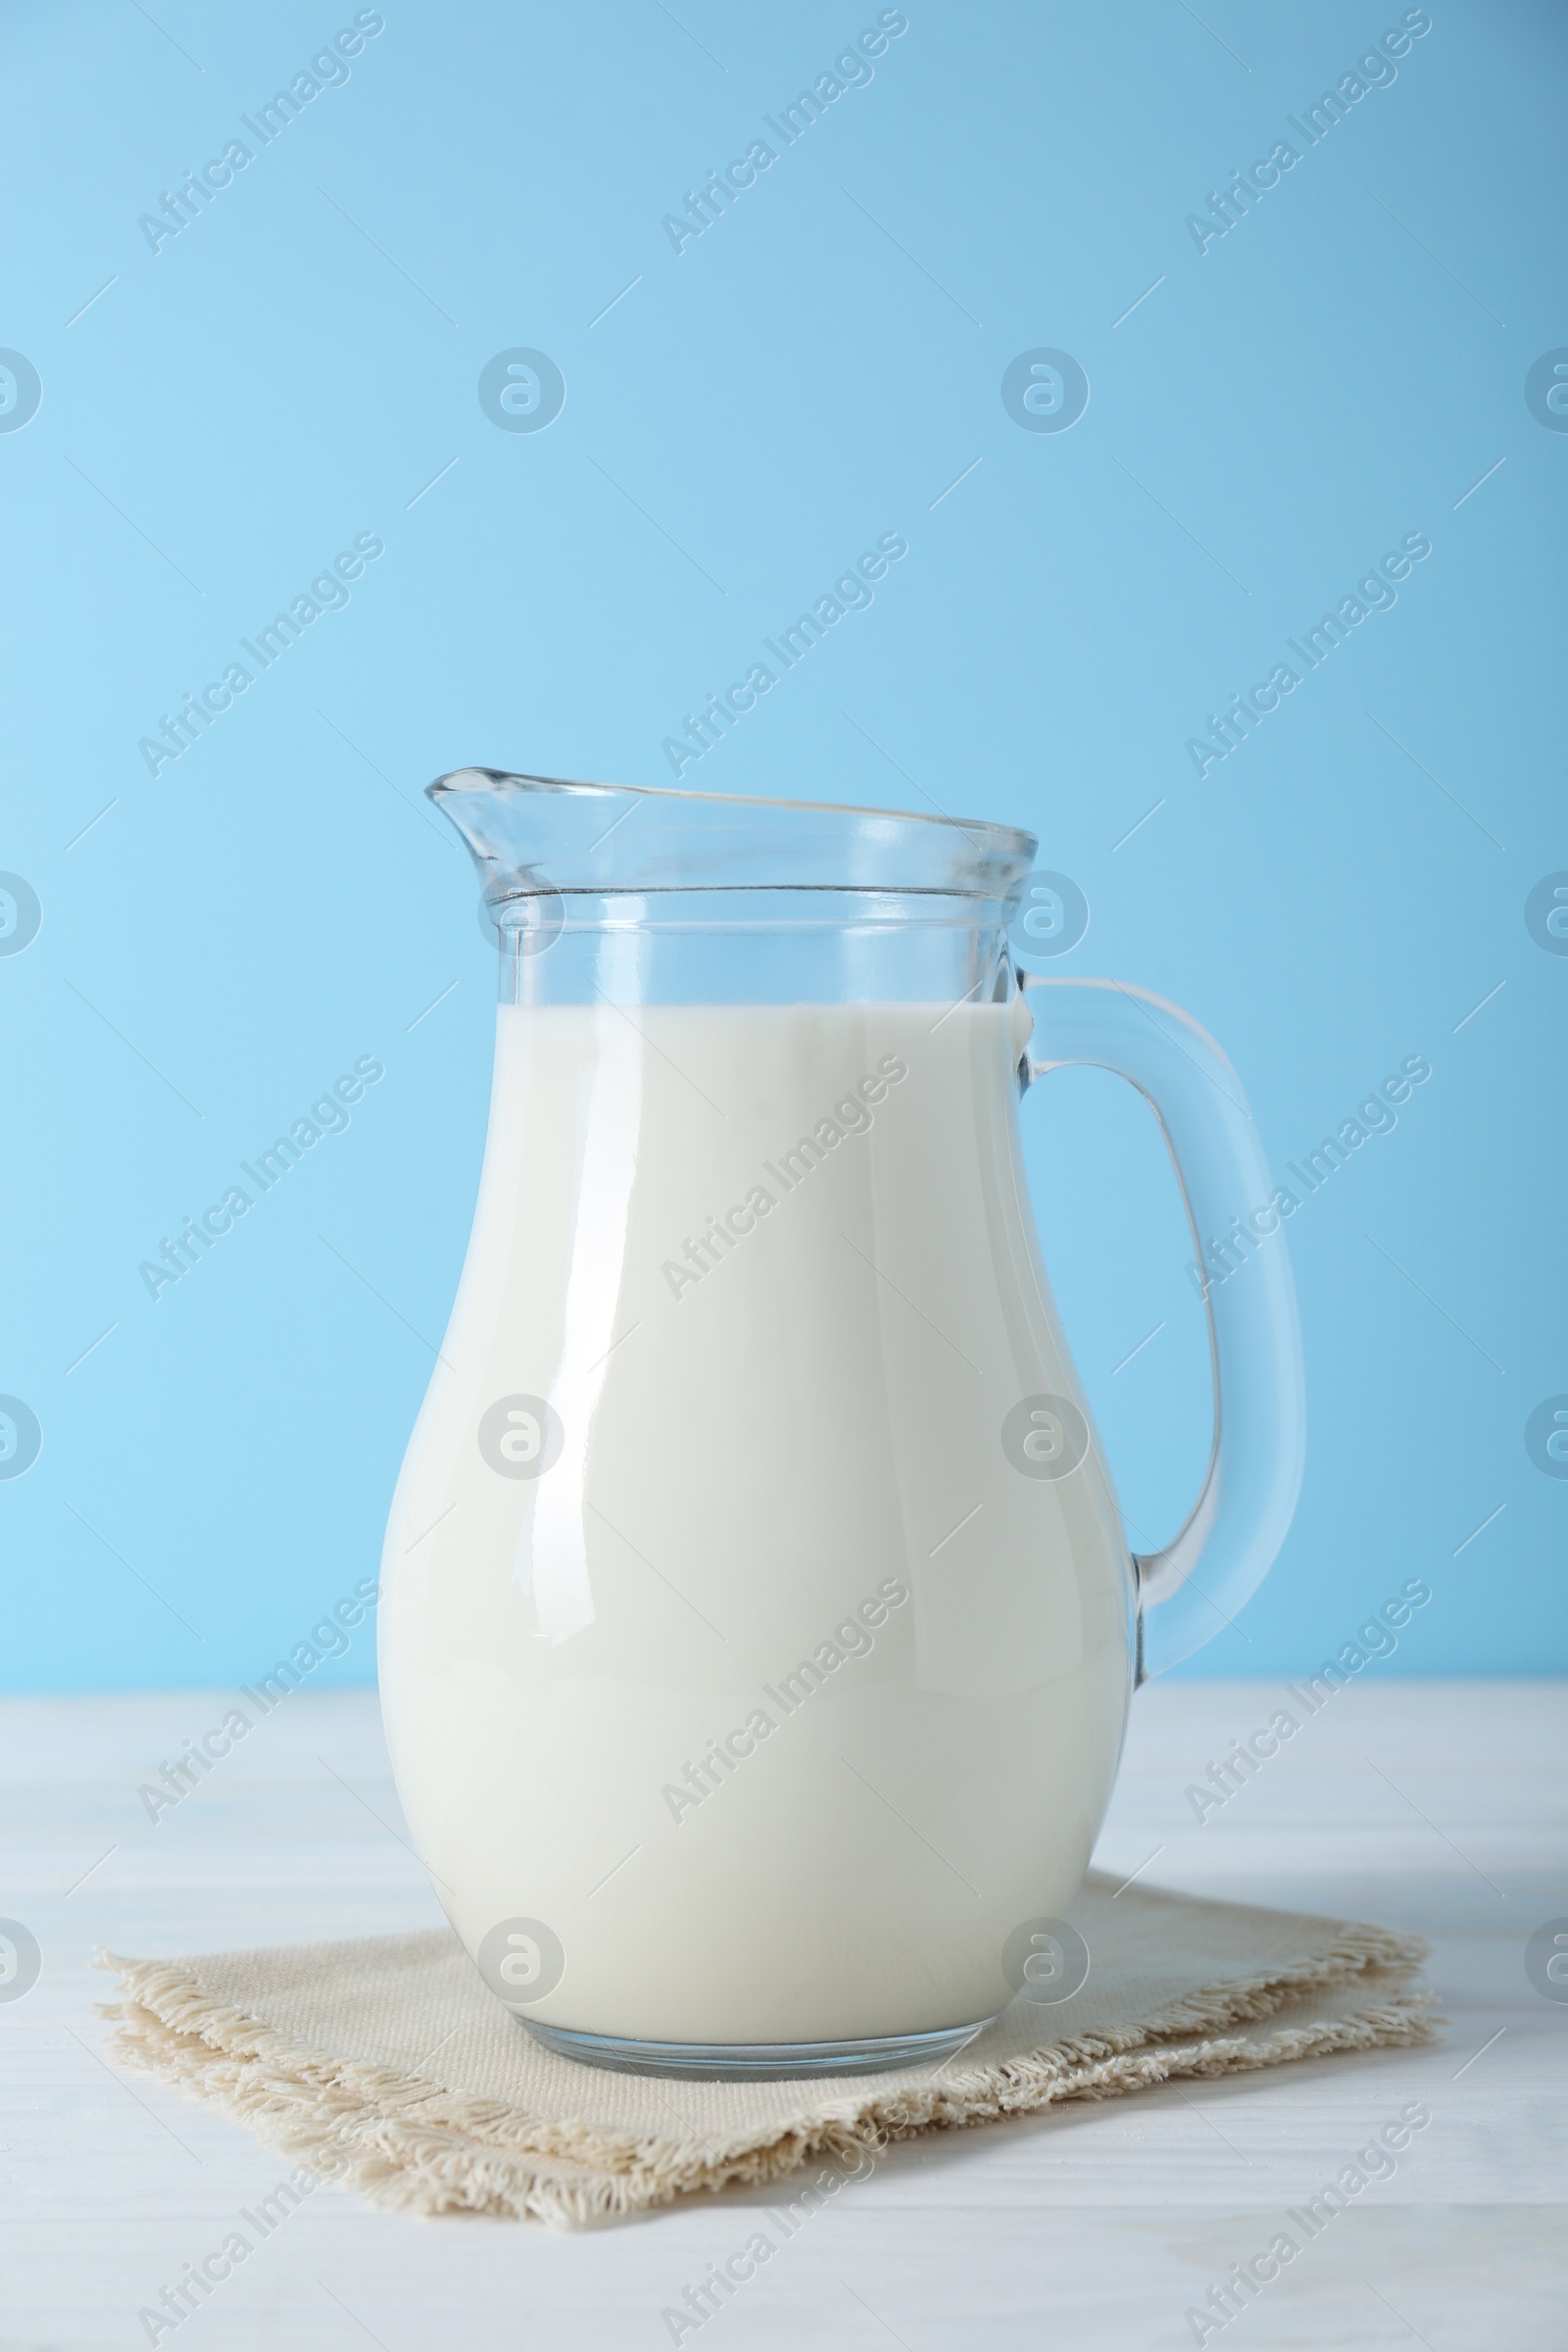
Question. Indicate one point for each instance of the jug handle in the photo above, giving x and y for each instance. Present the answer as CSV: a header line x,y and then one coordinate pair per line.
x,y
1241,1517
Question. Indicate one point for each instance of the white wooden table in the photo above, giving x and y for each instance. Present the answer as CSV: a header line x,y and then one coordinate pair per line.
x,y
1438,1807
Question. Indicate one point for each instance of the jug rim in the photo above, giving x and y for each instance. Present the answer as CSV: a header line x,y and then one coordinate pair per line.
x,y
502,779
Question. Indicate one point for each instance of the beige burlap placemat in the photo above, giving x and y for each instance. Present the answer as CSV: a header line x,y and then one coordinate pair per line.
x,y
386,2064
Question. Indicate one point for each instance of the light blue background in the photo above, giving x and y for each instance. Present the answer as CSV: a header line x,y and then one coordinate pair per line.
x,y
300,363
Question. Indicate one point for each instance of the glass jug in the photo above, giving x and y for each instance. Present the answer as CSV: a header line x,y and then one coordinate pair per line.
x,y
757,1628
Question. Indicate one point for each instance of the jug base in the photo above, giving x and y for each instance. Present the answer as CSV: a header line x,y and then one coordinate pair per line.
x,y
754,2062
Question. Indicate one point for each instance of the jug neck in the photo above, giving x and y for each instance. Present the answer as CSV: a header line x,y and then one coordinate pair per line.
x,y
752,947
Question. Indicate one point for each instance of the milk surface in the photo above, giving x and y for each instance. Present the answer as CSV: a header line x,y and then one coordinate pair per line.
x,y
753,1667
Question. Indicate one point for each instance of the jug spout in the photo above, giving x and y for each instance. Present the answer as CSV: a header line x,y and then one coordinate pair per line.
x,y
512,826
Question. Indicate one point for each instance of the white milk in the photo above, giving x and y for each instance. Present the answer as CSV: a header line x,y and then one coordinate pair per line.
x,y
780,1448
